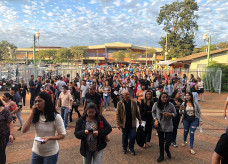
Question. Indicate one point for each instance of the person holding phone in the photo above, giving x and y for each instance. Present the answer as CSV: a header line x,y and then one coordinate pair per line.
x,y
91,129
163,111
49,128
191,119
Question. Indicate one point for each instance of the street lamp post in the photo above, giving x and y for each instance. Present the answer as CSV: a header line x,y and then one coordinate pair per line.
x,y
37,36
208,39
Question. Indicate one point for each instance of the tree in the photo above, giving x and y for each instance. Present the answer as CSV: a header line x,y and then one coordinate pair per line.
x,y
63,55
204,48
7,51
79,52
119,55
179,21
222,45
42,54
131,54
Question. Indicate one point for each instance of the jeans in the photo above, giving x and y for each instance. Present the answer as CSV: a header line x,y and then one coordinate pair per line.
x,y
18,114
95,156
106,100
176,121
190,124
76,110
3,148
64,114
83,101
36,159
195,96
131,134
167,136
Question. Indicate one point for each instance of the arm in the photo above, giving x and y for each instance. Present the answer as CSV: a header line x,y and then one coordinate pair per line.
x,y
101,107
216,158
59,126
28,123
52,98
118,120
79,132
225,107
85,104
107,127
138,116
11,137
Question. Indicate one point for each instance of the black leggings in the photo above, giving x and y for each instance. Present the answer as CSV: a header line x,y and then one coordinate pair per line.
x,y
115,101
148,130
75,108
23,97
3,149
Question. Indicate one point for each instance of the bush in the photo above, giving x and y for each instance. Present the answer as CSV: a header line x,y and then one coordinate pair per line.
x,y
224,69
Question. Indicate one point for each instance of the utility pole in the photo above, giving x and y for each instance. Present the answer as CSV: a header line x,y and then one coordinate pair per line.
x,y
208,51
166,46
34,56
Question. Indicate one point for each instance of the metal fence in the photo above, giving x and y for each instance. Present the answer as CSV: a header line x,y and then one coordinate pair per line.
x,y
212,78
25,72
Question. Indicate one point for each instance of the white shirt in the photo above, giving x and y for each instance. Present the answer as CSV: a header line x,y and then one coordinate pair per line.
x,y
43,129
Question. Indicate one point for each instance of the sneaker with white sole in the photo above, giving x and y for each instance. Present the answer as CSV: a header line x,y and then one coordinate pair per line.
x,y
184,143
174,144
192,152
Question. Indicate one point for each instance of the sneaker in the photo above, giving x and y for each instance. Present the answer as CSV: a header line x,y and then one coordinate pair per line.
x,y
174,144
124,151
160,158
132,152
184,143
192,152
19,129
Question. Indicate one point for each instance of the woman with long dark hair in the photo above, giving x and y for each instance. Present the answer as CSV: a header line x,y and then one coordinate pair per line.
x,y
92,129
177,101
76,102
163,111
192,118
47,123
22,90
146,115
6,131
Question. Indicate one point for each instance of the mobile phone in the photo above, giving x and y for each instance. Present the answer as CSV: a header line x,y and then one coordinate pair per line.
x,y
90,131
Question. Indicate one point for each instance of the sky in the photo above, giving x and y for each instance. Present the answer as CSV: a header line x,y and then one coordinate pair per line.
x,y
95,22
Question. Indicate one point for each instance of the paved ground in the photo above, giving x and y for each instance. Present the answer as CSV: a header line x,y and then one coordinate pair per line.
x,y
214,125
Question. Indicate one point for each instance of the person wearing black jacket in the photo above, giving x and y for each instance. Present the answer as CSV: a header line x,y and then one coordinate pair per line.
x,y
177,101
115,94
22,90
76,102
146,114
92,129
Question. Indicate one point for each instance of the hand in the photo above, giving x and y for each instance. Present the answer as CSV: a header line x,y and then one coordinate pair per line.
x,y
11,138
95,133
45,139
140,122
156,123
200,123
86,132
182,107
34,108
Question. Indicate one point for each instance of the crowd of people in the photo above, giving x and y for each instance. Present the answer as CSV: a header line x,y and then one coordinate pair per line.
x,y
137,93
